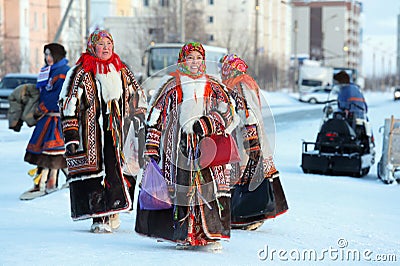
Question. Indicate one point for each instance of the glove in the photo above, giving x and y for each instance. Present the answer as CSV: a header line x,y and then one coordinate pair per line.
x,y
37,115
71,149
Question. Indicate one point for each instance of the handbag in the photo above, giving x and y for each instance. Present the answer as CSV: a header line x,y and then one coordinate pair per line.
x,y
218,149
154,192
253,198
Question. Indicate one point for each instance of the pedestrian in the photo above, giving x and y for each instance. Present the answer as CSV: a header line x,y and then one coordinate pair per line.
x,y
189,106
257,159
46,147
99,99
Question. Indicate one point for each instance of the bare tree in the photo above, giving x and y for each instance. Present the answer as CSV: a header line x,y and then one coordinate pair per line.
x,y
11,59
194,22
269,74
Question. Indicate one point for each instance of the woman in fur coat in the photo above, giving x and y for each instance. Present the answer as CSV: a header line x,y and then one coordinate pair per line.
x,y
46,146
98,99
189,106
257,159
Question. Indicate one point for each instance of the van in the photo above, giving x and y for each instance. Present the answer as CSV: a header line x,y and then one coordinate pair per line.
x,y
9,83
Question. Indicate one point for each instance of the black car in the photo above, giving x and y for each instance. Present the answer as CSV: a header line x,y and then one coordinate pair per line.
x,y
396,93
9,83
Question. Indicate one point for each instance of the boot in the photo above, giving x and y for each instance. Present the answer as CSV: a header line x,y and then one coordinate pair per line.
x,y
115,222
39,185
52,181
101,225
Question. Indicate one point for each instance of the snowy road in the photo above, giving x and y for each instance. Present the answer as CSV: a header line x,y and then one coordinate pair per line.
x,y
329,216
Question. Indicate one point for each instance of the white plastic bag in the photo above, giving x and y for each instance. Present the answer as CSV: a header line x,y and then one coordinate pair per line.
x,y
131,153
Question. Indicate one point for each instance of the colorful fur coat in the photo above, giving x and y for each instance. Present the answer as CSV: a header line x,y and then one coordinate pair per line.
x,y
96,110
201,198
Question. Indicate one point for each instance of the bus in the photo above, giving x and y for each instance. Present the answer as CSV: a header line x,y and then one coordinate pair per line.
x,y
160,59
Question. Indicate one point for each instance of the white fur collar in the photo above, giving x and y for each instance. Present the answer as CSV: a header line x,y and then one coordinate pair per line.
x,y
111,84
192,107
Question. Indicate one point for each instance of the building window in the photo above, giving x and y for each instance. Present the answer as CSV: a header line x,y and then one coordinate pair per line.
x,y
35,22
163,2
44,20
211,2
210,19
37,58
211,37
26,17
146,2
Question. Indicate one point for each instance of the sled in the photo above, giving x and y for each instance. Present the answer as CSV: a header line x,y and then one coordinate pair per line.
x,y
344,146
389,165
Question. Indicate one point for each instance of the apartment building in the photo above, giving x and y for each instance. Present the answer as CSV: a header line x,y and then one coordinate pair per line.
x,y
26,25
329,31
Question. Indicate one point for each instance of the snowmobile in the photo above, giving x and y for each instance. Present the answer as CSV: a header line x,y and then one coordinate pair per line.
x,y
389,165
344,144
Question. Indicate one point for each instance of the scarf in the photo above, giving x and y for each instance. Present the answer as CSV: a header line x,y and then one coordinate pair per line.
x,y
184,52
44,74
95,65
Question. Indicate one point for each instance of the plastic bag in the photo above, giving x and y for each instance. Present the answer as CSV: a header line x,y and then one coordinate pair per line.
x,y
131,153
154,192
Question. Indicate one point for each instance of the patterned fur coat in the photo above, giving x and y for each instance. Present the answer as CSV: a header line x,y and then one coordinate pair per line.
x,y
201,211
95,110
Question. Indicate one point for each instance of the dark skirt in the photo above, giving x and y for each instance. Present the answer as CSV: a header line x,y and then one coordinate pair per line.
x,y
212,220
94,197
274,197
172,224
46,161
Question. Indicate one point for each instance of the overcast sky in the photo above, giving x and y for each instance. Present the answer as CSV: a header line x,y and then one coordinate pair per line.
x,y
380,35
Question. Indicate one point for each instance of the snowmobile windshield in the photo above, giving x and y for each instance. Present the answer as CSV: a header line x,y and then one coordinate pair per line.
x,y
333,95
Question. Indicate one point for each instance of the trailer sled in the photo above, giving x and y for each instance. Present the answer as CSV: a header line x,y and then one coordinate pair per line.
x,y
389,165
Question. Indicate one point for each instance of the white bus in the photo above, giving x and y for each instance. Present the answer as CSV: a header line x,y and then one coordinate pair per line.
x,y
161,59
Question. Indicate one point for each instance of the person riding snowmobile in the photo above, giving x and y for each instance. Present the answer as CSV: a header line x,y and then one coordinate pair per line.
x,y
350,98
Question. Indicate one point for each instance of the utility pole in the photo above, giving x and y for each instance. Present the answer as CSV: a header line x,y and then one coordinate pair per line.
x,y
60,27
257,7
182,21
296,60
87,19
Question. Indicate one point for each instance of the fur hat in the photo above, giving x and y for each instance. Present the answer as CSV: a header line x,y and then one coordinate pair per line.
x,y
342,77
57,51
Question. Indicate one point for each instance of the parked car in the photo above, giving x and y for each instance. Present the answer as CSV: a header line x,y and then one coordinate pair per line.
x,y
9,83
396,93
319,94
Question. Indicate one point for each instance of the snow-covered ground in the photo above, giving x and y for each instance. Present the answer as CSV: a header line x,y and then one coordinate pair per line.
x,y
331,219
